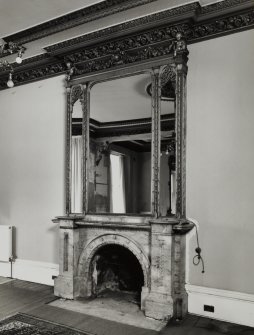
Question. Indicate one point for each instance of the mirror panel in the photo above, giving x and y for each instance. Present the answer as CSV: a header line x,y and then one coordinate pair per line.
x,y
119,170
76,158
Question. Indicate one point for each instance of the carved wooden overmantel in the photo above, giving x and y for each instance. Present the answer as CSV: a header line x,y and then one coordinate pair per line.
x,y
160,240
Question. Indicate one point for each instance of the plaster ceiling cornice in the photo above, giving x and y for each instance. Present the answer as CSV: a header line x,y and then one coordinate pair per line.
x,y
107,8
151,35
76,18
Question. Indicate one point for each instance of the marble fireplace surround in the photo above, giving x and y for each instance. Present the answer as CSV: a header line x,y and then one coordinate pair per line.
x,y
158,245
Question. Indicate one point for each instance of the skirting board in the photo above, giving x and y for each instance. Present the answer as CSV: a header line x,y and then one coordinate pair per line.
x,y
229,306
37,272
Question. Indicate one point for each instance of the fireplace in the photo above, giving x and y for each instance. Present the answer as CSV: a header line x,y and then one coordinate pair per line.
x,y
125,178
115,268
142,257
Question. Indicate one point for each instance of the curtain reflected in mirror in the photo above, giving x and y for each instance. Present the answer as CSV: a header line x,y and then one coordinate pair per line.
x,y
76,159
119,170
117,183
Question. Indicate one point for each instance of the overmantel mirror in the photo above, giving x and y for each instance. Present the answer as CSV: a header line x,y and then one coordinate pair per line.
x,y
125,141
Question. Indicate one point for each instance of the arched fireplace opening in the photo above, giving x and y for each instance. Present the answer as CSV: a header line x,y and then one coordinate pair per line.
x,y
115,270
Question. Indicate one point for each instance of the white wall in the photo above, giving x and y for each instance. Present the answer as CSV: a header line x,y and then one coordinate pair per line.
x,y
32,166
220,158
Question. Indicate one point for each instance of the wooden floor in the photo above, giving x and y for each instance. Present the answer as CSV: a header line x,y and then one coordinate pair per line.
x,y
21,296
30,298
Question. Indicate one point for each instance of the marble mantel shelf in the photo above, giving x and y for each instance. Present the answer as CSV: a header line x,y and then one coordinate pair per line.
x,y
140,220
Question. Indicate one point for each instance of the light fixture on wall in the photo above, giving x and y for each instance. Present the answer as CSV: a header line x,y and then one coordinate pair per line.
x,y
6,49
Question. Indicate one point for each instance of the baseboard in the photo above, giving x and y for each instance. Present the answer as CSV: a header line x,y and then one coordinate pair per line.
x,y
37,272
228,306
5,269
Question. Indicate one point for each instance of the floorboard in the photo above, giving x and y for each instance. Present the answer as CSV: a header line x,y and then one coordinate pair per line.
x,y
21,296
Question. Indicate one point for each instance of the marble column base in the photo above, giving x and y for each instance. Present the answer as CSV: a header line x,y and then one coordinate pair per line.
x,y
66,287
159,306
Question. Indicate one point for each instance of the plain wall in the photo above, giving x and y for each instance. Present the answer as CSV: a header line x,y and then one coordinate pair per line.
x,y
220,158
32,165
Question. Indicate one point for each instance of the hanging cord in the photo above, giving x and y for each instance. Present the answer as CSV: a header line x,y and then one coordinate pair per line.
x,y
198,258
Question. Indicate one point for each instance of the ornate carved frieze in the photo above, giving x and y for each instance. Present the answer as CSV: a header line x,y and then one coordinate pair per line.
x,y
33,74
132,48
174,14
218,27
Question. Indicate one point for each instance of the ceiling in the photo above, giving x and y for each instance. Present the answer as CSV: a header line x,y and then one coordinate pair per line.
x,y
122,99
22,14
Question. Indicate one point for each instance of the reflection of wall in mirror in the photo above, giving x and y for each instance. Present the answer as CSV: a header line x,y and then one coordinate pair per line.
x,y
98,176
144,183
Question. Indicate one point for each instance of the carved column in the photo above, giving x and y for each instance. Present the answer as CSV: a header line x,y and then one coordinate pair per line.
x,y
74,93
68,154
167,296
156,109
85,141
179,237
180,129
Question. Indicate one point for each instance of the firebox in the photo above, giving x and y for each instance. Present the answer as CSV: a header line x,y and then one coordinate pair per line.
x,y
114,268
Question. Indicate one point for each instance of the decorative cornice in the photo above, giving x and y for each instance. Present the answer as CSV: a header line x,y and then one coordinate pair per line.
x,y
191,30
125,127
223,5
222,26
109,7
173,14
81,16
33,74
129,49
